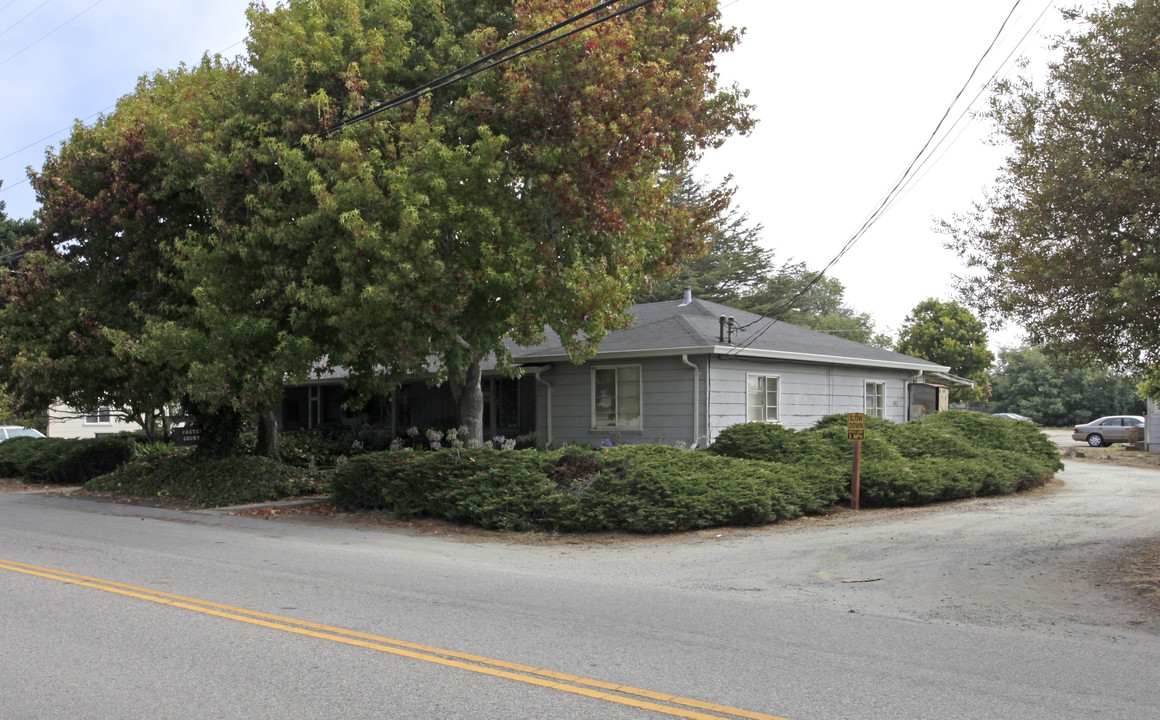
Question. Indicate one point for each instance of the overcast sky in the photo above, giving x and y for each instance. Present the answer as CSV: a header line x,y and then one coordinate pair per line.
x,y
847,93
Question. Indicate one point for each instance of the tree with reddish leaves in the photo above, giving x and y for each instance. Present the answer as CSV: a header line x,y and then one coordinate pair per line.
x,y
114,201
533,194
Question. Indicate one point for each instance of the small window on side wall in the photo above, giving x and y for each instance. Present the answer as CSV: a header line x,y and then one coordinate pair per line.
x,y
876,399
762,395
103,416
616,398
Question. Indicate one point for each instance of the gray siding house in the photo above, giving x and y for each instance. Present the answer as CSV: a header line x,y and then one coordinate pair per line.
x,y
684,372
687,370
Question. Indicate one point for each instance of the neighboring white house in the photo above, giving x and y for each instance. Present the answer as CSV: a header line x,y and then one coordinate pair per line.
x,y
65,422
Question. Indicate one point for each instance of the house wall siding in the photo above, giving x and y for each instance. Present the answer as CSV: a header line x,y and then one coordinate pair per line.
x,y
64,422
807,392
666,403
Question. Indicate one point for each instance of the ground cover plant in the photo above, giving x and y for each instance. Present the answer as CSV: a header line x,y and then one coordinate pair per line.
x,y
638,488
755,473
211,482
945,456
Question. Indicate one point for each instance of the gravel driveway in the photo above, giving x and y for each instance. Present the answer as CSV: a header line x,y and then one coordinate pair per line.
x,y
1052,561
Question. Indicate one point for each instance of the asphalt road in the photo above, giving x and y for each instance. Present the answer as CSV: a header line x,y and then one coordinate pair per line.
x,y
987,609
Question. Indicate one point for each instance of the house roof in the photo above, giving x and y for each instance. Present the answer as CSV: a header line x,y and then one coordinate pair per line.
x,y
675,328
668,328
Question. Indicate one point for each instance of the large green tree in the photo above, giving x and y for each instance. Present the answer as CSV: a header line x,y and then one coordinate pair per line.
x,y
13,233
116,198
1067,242
796,294
949,334
230,228
1025,381
532,195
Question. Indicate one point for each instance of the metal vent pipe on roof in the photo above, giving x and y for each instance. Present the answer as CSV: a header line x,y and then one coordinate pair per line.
x,y
688,297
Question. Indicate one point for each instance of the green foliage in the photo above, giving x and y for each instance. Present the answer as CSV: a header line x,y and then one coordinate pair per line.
x,y
13,232
1029,383
638,488
946,456
734,265
211,482
317,448
142,450
948,334
795,294
61,461
755,441
1065,243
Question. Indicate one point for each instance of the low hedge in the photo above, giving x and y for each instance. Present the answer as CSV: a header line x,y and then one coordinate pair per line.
x,y
946,456
211,482
62,461
637,488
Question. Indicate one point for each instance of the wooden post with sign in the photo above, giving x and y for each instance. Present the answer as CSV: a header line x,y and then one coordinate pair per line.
x,y
856,431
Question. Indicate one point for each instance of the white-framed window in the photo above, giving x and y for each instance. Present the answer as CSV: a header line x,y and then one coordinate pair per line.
x,y
103,416
616,398
876,399
762,396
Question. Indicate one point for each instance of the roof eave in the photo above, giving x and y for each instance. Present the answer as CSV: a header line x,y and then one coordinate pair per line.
x,y
732,351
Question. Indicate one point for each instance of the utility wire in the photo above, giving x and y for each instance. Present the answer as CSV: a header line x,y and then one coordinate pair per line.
x,y
489,61
336,30
881,207
914,180
30,14
50,32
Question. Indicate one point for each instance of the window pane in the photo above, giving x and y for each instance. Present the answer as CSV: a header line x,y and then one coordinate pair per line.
x,y
628,397
754,397
604,400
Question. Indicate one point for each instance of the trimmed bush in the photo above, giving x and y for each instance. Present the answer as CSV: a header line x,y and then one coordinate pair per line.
x,y
946,456
61,461
211,482
637,488
320,447
756,441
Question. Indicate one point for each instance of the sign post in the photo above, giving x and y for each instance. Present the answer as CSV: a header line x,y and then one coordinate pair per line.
x,y
856,431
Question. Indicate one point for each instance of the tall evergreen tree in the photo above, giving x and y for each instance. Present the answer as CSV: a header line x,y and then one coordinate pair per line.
x,y
1066,242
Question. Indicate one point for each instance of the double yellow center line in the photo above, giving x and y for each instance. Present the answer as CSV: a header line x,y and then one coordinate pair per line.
x,y
609,692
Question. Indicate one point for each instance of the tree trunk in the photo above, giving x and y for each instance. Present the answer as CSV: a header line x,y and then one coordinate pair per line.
x,y
267,435
469,401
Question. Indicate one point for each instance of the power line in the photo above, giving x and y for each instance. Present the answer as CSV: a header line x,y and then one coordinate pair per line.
x,y
30,14
914,180
483,64
50,32
883,204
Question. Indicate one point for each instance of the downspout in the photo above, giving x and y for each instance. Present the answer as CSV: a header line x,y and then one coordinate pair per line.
x,y
545,383
708,399
696,401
